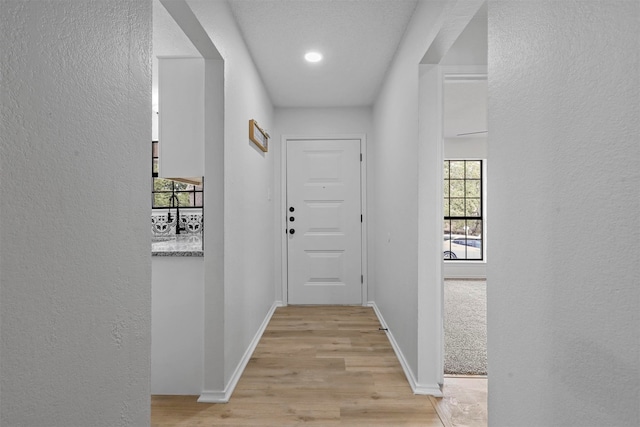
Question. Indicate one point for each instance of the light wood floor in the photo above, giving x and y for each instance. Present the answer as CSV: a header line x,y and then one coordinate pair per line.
x,y
464,403
324,366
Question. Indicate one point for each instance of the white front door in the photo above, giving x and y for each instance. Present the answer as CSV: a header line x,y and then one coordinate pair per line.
x,y
324,222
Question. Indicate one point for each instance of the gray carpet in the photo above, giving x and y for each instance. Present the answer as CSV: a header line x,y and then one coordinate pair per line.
x,y
465,327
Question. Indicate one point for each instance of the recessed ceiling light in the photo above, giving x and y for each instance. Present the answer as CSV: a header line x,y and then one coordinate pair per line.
x,y
313,56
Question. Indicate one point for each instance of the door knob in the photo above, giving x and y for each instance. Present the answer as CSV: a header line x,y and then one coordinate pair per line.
x,y
292,231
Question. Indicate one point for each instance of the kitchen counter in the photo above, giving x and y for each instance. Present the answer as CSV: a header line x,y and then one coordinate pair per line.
x,y
187,245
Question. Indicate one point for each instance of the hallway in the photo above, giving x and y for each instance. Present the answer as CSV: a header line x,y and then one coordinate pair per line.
x,y
317,365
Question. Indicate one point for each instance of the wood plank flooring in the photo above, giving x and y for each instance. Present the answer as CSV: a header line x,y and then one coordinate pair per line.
x,y
315,365
464,403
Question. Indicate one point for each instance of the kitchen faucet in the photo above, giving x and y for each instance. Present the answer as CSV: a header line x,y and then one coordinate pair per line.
x,y
178,222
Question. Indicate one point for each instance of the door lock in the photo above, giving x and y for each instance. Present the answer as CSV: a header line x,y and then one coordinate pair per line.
x,y
292,231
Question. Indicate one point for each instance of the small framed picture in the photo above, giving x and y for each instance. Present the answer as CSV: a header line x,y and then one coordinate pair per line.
x,y
258,136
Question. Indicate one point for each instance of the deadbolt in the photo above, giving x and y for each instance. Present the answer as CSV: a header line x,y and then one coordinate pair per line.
x,y
291,219
291,209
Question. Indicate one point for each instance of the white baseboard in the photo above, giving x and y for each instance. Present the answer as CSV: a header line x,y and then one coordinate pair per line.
x,y
212,396
434,390
223,396
425,389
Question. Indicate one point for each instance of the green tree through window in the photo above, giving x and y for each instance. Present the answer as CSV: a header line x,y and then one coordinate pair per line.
x,y
171,193
188,195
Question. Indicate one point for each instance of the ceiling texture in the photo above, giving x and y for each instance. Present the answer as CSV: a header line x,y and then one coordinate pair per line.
x,y
358,39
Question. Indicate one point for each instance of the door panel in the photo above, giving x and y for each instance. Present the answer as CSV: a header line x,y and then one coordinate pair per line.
x,y
324,227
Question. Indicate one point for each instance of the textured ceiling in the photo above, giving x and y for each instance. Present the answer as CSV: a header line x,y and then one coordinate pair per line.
x,y
358,39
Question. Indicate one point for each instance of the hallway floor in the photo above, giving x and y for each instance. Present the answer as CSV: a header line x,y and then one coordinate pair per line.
x,y
464,403
324,365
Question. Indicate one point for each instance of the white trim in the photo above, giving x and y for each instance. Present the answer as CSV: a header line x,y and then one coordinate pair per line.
x,y
461,77
223,396
440,227
363,200
430,318
422,389
464,72
212,396
365,220
434,390
284,265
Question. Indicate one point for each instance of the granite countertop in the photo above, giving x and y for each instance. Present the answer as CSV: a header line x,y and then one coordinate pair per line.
x,y
187,245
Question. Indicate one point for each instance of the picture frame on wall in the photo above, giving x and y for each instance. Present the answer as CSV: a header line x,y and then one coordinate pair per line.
x,y
258,136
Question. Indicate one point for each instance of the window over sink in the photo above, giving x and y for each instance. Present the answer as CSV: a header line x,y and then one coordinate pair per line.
x,y
177,219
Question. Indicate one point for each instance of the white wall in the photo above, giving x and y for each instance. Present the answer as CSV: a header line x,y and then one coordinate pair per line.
x,y
395,206
470,48
248,183
322,121
177,314
311,122
155,131
407,161
214,226
564,309
466,148
74,208
181,94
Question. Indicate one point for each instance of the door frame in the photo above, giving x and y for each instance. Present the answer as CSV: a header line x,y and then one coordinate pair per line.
x,y
363,208
430,221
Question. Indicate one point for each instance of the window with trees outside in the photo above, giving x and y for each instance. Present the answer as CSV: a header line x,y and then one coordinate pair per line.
x,y
463,216
168,193
171,193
